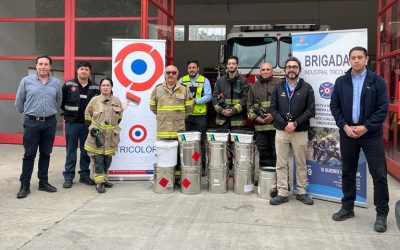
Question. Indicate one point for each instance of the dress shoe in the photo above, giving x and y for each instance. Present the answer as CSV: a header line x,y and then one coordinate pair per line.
x,y
23,192
343,214
88,181
305,199
380,223
273,193
101,188
47,187
67,184
277,200
108,184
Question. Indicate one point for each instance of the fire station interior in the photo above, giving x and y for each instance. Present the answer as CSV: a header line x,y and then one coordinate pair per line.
x,y
201,26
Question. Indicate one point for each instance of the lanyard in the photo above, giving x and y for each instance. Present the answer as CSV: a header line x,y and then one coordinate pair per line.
x,y
289,93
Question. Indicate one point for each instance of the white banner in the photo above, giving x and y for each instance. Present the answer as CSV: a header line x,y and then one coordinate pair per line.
x,y
138,66
324,57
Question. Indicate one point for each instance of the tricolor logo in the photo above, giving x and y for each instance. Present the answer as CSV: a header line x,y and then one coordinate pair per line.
x,y
138,67
137,133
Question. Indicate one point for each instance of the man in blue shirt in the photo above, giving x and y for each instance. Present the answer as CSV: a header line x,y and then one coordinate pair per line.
x,y
38,97
359,104
200,90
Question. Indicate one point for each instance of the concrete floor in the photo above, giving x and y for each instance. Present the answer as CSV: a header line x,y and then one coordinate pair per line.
x,y
132,216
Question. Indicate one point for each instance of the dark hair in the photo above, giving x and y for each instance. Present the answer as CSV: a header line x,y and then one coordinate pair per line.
x,y
359,48
44,56
193,61
293,59
84,64
233,57
106,78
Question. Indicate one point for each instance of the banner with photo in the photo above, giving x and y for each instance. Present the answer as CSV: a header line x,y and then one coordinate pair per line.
x,y
324,57
137,67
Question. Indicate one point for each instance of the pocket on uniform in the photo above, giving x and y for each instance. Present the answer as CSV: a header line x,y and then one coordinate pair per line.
x,y
115,138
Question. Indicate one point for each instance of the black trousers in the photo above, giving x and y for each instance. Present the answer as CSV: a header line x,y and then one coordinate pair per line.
x,y
375,154
265,142
37,135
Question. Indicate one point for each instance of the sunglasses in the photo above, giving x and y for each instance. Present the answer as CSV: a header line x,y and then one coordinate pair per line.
x,y
171,72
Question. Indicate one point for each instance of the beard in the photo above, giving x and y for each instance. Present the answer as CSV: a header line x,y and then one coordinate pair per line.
x,y
292,75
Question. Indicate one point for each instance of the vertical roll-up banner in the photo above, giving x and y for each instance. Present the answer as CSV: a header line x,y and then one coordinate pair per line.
x,y
324,57
137,67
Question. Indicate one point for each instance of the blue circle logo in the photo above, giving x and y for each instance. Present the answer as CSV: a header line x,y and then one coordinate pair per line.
x,y
139,67
325,90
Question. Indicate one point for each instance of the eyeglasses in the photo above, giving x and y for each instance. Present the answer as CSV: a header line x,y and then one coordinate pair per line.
x,y
171,72
291,67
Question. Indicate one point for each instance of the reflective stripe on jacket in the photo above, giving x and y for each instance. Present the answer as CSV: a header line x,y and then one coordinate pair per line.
x,y
171,107
198,108
103,114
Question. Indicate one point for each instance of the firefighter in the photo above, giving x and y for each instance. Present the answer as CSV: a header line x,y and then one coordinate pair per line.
x,y
103,114
258,106
229,97
171,102
76,95
200,90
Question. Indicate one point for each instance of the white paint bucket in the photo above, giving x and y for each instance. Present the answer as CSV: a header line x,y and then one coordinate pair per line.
x,y
167,153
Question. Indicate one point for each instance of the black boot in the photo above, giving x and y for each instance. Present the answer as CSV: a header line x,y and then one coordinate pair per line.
x,y
23,192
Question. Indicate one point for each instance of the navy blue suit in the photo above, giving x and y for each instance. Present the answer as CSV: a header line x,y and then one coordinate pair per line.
x,y
373,112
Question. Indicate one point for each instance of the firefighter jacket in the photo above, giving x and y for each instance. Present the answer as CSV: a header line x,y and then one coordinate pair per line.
x,y
300,107
74,102
231,93
171,107
259,101
197,91
103,114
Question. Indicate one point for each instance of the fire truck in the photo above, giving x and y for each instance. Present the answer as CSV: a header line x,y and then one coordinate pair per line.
x,y
256,44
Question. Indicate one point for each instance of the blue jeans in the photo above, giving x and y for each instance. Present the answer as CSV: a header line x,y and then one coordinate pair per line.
x,y
74,133
37,134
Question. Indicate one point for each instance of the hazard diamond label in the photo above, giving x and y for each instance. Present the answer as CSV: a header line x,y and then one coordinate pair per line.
x,y
186,183
196,156
163,182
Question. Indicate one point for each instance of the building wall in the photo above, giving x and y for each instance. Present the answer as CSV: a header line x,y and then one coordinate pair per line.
x,y
351,14
15,39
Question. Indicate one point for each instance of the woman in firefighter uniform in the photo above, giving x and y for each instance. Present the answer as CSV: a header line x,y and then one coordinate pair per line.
x,y
103,114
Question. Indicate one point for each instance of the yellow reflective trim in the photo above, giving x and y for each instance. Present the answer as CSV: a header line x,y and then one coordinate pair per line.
x,y
238,107
218,108
100,151
238,123
264,127
234,101
88,118
104,126
99,178
171,108
189,103
153,103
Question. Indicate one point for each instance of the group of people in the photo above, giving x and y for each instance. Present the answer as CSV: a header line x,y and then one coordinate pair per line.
x,y
280,109
325,149
91,113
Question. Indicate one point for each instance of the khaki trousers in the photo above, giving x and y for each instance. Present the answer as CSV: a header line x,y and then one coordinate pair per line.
x,y
298,141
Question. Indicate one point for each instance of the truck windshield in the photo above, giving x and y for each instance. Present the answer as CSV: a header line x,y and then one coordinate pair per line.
x,y
285,50
252,51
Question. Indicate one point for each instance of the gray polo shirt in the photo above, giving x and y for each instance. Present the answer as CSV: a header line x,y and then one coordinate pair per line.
x,y
34,98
